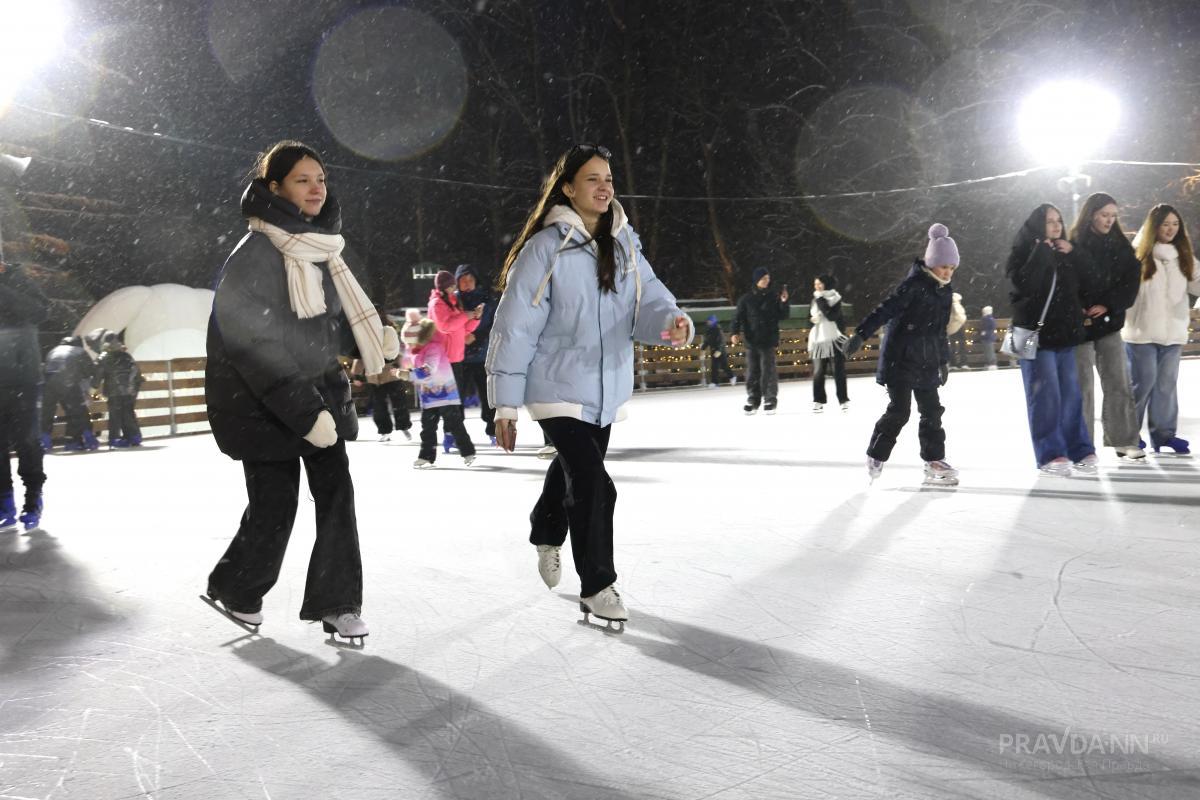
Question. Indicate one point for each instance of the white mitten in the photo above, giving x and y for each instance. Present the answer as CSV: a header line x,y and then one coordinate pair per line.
x,y
324,431
391,343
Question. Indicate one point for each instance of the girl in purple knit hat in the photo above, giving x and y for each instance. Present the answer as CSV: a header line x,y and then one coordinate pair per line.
x,y
914,357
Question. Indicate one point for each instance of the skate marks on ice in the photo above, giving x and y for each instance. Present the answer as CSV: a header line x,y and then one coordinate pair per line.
x,y
465,750
967,736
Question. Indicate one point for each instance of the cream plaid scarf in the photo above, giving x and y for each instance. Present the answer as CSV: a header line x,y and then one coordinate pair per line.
x,y
307,295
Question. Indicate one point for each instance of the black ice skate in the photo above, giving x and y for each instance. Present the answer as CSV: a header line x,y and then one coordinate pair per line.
x,y
606,605
247,621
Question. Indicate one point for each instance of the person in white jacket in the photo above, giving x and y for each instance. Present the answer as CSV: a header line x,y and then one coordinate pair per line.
x,y
577,292
1156,326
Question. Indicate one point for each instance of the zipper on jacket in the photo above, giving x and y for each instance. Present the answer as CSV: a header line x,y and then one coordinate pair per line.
x,y
600,330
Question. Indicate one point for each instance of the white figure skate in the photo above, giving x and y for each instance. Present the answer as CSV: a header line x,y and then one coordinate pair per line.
x,y
606,605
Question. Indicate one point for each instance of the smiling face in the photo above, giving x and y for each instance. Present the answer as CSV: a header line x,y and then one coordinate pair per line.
x,y
591,191
304,186
1168,230
817,285
1103,219
1054,224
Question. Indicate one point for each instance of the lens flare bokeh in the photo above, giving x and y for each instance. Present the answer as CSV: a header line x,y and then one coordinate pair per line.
x,y
390,83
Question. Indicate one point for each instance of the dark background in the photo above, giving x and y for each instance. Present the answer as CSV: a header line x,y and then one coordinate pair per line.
x,y
439,119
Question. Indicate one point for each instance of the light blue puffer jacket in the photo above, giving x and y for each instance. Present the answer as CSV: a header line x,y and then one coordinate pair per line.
x,y
560,346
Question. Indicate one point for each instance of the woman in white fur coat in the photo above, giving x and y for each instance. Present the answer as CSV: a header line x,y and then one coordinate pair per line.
x,y
1156,326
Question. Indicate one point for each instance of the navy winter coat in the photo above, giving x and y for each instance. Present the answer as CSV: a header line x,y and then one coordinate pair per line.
x,y
915,345
70,364
120,374
270,373
476,351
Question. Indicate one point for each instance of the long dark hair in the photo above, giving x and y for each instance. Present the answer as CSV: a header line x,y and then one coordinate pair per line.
x,y
1081,231
1148,237
552,195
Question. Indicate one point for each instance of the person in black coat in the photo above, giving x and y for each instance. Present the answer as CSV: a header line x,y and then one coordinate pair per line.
x,y
470,372
1047,275
1113,277
23,307
69,372
120,379
757,322
714,343
277,395
914,357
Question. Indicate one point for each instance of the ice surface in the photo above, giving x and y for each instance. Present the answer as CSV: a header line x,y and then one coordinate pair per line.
x,y
794,631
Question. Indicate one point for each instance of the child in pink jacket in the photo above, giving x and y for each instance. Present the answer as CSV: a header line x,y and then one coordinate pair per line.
x,y
434,380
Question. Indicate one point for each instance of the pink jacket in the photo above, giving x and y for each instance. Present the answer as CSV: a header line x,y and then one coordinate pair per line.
x,y
452,322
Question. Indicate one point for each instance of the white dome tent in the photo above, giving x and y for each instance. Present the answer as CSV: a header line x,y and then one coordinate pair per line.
x,y
161,322
164,330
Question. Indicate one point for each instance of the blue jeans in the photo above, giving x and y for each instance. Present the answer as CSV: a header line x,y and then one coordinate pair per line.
x,y
1055,407
1154,373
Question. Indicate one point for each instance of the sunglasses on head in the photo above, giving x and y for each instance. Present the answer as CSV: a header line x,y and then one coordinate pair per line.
x,y
599,150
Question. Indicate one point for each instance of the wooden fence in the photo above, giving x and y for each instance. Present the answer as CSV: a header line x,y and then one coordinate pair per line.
x,y
172,398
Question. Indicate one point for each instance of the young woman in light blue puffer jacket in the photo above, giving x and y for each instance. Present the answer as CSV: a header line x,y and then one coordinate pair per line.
x,y
577,292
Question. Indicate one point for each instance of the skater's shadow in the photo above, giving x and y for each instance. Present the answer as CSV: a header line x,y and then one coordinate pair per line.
x,y
1060,491
46,599
939,725
464,749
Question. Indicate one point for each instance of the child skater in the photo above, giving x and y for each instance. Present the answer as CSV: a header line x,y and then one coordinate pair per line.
x,y
121,379
434,380
914,357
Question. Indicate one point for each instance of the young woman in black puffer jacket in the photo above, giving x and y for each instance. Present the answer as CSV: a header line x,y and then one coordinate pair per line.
x,y
285,307
1113,274
1040,261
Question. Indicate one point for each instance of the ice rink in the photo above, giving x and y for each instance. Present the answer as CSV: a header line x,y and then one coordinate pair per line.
x,y
795,632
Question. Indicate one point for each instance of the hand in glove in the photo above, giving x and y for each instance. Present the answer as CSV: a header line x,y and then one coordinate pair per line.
x,y
324,431
852,345
391,342
944,374
422,372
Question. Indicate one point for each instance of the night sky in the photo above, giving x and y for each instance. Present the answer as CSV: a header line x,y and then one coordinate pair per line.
x,y
439,119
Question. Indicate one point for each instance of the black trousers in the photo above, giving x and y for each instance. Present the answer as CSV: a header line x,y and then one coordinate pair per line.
x,y
762,376
73,400
821,367
452,421
389,401
720,367
19,431
122,420
251,565
929,430
471,377
578,496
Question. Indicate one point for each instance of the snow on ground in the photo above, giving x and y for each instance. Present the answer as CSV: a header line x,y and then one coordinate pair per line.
x,y
795,632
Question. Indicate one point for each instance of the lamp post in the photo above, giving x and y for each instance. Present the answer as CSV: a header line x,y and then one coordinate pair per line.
x,y
1063,124
16,166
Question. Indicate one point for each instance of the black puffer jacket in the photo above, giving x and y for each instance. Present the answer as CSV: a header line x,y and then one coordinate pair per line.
x,y
269,372
69,364
476,351
914,345
1031,268
758,314
1112,278
22,308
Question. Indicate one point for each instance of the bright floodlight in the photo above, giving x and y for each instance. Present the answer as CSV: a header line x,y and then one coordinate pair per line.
x,y
1066,122
30,35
